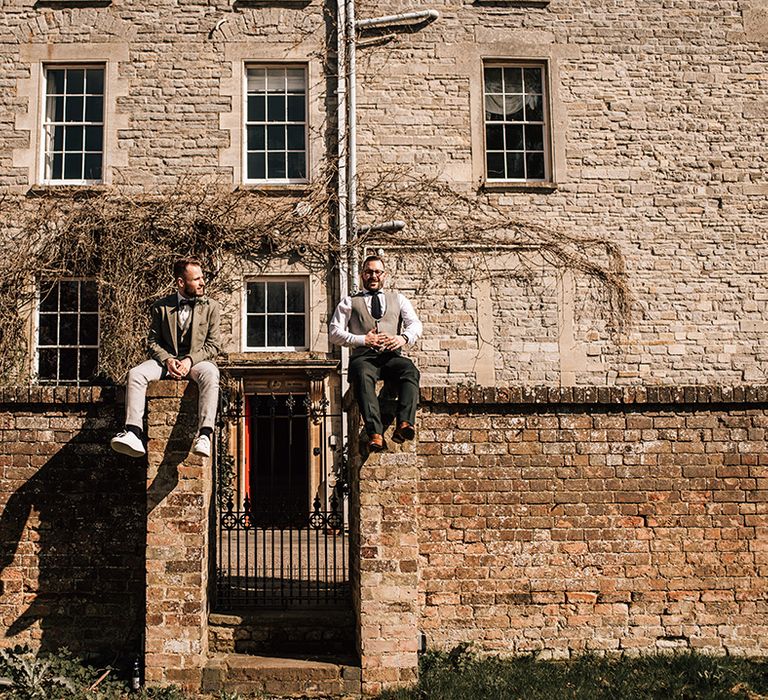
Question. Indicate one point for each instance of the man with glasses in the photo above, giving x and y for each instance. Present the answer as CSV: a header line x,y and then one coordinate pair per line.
x,y
377,325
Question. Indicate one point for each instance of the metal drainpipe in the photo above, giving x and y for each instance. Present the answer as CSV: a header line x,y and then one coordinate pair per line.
x,y
354,257
342,153
393,19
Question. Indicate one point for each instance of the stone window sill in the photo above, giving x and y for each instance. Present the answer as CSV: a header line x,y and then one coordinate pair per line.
x,y
519,186
72,3
73,191
302,188
512,3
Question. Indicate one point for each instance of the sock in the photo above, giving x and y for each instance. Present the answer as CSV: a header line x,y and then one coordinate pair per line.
x,y
135,430
206,431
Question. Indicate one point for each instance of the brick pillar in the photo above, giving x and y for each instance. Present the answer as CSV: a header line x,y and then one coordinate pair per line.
x,y
178,502
385,570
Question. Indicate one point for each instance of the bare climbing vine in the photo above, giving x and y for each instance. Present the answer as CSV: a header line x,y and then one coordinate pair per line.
x,y
127,243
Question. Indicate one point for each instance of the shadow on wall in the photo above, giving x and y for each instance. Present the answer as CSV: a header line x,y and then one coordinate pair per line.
x,y
72,544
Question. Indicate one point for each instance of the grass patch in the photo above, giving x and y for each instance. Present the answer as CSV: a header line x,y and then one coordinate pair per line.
x,y
463,675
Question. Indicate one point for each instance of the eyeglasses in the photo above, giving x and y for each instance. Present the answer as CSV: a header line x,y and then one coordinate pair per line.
x,y
373,273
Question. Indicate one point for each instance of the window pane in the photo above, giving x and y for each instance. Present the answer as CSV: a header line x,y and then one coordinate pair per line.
x,y
256,108
93,166
47,363
89,358
94,81
255,297
276,108
534,108
68,329
94,109
55,109
89,329
57,167
73,166
534,137
295,138
55,82
275,297
256,80
276,80
73,111
276,138
296,112
68,364
493,80
256,139
297,166
296,332
495,165
256,166
515,166
58,138
535,163
513,108
275,331
93,138
73,138
494,137
255,331
513,80
514,134
75,81
294,80
295,294
89,297
276,165
48,334
533,80
69,295
49,296
494,107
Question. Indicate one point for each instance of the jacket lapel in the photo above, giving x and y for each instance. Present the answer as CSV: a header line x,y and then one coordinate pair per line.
x,y
172,318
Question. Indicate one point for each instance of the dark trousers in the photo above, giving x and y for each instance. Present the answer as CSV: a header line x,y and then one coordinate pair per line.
x,y
366,368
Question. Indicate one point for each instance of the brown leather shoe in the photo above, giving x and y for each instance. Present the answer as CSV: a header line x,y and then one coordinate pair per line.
x,y
376,443
404,431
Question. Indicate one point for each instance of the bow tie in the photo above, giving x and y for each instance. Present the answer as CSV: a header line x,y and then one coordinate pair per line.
x,y
186,302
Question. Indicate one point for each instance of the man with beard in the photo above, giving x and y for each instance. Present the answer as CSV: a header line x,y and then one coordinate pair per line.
x,y
182,343
377,325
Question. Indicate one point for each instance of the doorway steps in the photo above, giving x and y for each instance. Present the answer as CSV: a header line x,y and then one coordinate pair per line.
x,y
282,677
288,653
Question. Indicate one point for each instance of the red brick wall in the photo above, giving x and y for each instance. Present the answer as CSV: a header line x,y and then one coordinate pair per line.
x,y
568,520
72,524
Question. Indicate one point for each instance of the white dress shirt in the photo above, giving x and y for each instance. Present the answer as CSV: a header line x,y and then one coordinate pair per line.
x,y
339,334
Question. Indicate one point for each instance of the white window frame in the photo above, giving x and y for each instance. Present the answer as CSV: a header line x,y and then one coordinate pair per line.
x,y
58,346
304,279
546,122
44,140
267,180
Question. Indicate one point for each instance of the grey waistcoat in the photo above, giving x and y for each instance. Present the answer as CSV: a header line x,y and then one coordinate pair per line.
x,y
361,321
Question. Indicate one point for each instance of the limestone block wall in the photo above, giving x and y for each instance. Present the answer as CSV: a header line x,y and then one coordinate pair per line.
x,y
564,521
72,525
658,120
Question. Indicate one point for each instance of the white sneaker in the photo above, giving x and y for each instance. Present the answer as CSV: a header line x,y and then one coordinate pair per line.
x,y
128,443
202,446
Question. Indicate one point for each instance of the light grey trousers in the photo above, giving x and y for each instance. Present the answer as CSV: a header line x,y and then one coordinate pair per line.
x,y
205,374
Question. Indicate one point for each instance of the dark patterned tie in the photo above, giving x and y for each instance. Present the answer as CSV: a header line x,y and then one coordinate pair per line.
x,y
376,311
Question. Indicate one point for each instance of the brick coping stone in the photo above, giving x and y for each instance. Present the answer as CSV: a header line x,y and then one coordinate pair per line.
x,y
596,395
452,395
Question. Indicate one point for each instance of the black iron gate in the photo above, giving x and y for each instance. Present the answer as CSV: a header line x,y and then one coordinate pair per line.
x,y
281,525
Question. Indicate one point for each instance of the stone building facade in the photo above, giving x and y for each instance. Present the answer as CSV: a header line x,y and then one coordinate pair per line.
x,y
583,185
